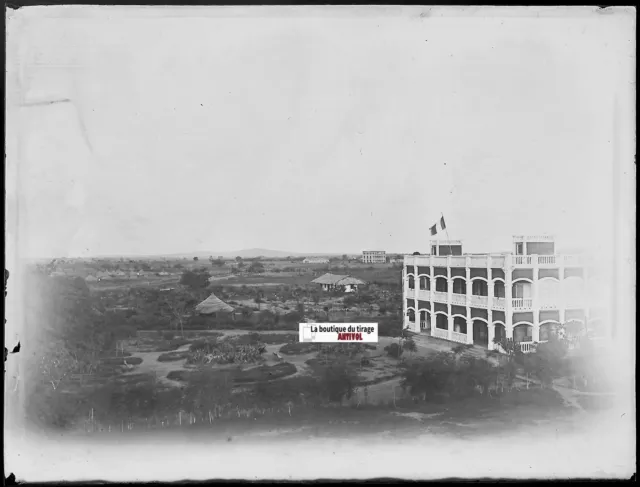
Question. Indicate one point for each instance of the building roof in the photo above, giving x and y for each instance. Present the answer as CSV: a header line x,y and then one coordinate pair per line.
x,y
213,304
336,279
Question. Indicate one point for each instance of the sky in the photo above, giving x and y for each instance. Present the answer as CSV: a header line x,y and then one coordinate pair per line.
x,y
158,130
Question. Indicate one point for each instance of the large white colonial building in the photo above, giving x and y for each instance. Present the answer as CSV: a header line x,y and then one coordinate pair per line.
x,y
524,294
374,256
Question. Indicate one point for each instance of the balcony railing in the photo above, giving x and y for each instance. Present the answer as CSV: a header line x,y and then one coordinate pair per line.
x,y
459,299
522,260
521,303
478,261
479,301
499,303
459,337
424,295
440,333
533,238
440,297
546,260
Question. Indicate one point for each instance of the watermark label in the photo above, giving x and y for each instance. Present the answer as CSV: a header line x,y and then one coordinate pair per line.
x,y
338,332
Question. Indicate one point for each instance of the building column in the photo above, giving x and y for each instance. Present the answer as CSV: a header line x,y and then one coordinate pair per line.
x,y
535,332
449,299
491,328
449,322
432,287
508,313
586,298
405,294
562,304
467,276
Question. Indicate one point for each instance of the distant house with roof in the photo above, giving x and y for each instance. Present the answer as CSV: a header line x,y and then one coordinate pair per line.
x,y
330,282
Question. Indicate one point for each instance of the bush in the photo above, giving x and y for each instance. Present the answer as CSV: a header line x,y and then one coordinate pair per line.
x,y
292,317
195,280
173,356
337,381
168,335
394,350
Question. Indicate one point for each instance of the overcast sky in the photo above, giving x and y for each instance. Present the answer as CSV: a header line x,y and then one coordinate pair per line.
x,y
312,130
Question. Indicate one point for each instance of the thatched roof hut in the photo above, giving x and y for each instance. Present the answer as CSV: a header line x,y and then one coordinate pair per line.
x,y
212,305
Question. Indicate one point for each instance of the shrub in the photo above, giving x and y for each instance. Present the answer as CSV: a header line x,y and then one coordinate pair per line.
x,y
168,335
394,350
337,381
173,356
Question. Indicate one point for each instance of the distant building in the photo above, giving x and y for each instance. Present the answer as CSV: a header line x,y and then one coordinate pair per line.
x,y
317,260
374,257
335,281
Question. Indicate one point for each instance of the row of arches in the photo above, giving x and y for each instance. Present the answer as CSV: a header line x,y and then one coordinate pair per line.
x,y
479,286
522,330
548,288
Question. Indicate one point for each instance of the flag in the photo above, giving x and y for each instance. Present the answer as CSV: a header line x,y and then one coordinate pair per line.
x,y
434,229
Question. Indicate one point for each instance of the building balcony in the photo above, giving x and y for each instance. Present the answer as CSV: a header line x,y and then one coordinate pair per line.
x,y
459,299
440,297
479,301
499,303
547,261
520,304
411,293
424,295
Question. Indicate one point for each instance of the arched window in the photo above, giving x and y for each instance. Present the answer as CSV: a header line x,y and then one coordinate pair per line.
x,y
412,283
424,283
479,288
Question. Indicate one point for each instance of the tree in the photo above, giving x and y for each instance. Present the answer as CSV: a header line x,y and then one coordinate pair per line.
x,y
338,380
256,267
177,311
394,350
344,256
238,259
195,259
547,362
195,279
410,346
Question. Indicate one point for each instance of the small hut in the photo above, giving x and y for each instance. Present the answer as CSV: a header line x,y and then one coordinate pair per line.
x,y
212,306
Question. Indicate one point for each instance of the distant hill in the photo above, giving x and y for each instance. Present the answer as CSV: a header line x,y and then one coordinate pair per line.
x,y
249,253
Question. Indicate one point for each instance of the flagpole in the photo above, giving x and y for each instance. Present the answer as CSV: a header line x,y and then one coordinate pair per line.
x,y
446,230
